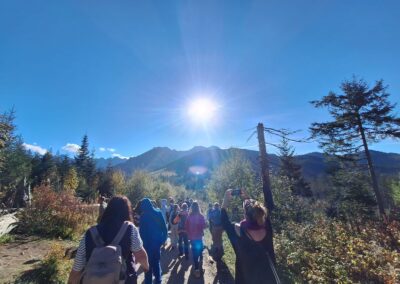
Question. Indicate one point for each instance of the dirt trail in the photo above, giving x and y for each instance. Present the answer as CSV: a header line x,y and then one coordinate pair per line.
x,y
179,270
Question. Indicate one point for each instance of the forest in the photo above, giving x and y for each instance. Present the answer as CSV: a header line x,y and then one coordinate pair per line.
x,y
349,232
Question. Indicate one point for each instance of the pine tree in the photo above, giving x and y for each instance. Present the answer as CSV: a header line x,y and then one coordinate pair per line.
x,y
291,171
361,115
6,132
84,161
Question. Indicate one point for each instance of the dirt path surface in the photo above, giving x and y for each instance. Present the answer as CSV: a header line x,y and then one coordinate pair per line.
x,y
21,255
177,270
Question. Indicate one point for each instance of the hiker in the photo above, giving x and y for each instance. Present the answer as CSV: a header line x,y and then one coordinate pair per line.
x,y
164,210
183,242
171,204
116,231
216,229
195,225
173,222
153,231
102,207
251,241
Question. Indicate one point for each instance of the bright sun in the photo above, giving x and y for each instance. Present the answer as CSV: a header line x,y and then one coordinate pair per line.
x,y
202,110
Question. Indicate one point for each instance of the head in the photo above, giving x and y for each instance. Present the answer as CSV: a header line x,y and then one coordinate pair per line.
x,y
216,205
176,207
190,200
184,206
171,200
195,208
163,202
146,205
210,206
119,209
255,212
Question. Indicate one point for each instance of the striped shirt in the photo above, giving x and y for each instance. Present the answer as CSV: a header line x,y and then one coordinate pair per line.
x,y
80,259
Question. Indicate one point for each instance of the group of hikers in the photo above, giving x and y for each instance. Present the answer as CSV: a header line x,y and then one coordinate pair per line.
x,y
127,238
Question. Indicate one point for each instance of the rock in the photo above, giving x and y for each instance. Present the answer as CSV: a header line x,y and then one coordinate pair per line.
x,y
7,223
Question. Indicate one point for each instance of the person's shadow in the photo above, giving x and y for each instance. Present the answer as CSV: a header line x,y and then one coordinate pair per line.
x,y
223,274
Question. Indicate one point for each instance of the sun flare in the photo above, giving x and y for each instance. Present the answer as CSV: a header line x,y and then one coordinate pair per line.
x,y
202,110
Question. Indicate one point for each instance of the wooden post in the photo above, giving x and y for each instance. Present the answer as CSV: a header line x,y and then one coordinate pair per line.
x,y
266,182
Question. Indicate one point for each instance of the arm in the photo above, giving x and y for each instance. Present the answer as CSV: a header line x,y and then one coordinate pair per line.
x,y
79,263
228,226
141,257
138,250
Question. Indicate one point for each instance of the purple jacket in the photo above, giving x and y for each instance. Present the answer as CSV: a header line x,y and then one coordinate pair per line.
x,y
195,225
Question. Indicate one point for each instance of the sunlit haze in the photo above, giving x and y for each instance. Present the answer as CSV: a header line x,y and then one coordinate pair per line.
x,y
202,110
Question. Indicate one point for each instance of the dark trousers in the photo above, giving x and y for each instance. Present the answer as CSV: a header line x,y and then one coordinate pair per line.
x,y
183,243
197,251
155,268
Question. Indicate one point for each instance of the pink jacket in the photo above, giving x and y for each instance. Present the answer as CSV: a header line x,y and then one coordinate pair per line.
x,y
195,225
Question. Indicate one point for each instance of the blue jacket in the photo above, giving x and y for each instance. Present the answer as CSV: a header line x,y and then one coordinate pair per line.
x,y
153,229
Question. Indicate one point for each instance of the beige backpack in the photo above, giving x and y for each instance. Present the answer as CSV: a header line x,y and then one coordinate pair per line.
x,y
106,264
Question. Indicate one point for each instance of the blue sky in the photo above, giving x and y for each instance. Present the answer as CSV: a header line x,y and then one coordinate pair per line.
x,y
124,71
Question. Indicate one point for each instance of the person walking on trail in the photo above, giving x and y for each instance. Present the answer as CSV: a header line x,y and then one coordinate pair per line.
x,y
216,229
195,225
99,254
173,222
252,242
102,207
153,231
183,241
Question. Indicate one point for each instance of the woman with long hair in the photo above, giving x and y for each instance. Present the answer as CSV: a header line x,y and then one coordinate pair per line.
x,y
195,225
251,240
115,223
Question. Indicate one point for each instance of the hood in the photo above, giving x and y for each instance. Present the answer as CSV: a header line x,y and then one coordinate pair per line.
x,y
146,206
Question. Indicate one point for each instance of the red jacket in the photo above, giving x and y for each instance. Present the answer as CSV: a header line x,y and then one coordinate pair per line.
x,y
195,225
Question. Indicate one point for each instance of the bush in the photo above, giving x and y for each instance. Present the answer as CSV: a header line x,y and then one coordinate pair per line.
x,y
57,214
326,251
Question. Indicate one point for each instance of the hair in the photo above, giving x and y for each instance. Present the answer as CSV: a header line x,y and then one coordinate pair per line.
x,y
255,212
119,209
216,204
184,206
195,208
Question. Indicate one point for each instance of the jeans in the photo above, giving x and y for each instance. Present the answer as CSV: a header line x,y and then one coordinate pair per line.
x,y
155,268
183,243
197,251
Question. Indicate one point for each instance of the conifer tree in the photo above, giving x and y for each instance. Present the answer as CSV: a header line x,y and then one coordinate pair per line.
x,y
291,171
361,115
71,181
84,161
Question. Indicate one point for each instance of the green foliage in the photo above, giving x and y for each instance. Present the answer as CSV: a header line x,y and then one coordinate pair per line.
x,y
360,109
6,238
326,251
142,184
84,162
291,171
56,214
235,172
71,181
395,191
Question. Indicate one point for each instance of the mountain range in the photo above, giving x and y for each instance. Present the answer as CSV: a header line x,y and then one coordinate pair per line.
x,y
203,160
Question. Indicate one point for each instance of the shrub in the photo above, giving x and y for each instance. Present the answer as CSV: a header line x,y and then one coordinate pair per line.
x,y
326,251
57,214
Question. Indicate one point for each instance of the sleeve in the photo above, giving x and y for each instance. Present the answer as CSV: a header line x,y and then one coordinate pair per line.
x,y
136,241
80,258
228,226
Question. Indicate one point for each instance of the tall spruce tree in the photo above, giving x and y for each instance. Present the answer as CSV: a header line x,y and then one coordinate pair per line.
x,y
361,115
291,171
84,161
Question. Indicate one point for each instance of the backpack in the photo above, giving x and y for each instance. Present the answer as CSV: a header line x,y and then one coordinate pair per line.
x,y
106,264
